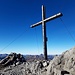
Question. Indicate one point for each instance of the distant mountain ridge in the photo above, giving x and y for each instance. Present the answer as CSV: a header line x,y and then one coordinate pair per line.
x,y
28,57
2,56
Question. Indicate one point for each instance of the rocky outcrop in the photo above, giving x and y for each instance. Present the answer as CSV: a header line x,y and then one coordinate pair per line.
x,y
11,59
63,64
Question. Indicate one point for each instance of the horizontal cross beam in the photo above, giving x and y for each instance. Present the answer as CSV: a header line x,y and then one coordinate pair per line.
x,y
47,19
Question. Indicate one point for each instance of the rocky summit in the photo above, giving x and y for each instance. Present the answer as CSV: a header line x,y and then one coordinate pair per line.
x,y
12,59
63,64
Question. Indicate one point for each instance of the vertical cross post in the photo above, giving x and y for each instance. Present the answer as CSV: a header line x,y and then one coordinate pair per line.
x,y
44,33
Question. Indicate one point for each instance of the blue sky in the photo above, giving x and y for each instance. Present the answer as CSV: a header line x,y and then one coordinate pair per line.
x,y
16,16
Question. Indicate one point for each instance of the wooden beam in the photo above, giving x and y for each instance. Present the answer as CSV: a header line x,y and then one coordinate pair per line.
x,y
47,19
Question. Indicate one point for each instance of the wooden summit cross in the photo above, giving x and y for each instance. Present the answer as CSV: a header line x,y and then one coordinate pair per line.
x,y
44,20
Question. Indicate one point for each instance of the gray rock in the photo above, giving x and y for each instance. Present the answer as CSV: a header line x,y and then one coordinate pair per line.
x,y
12,58
63,64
